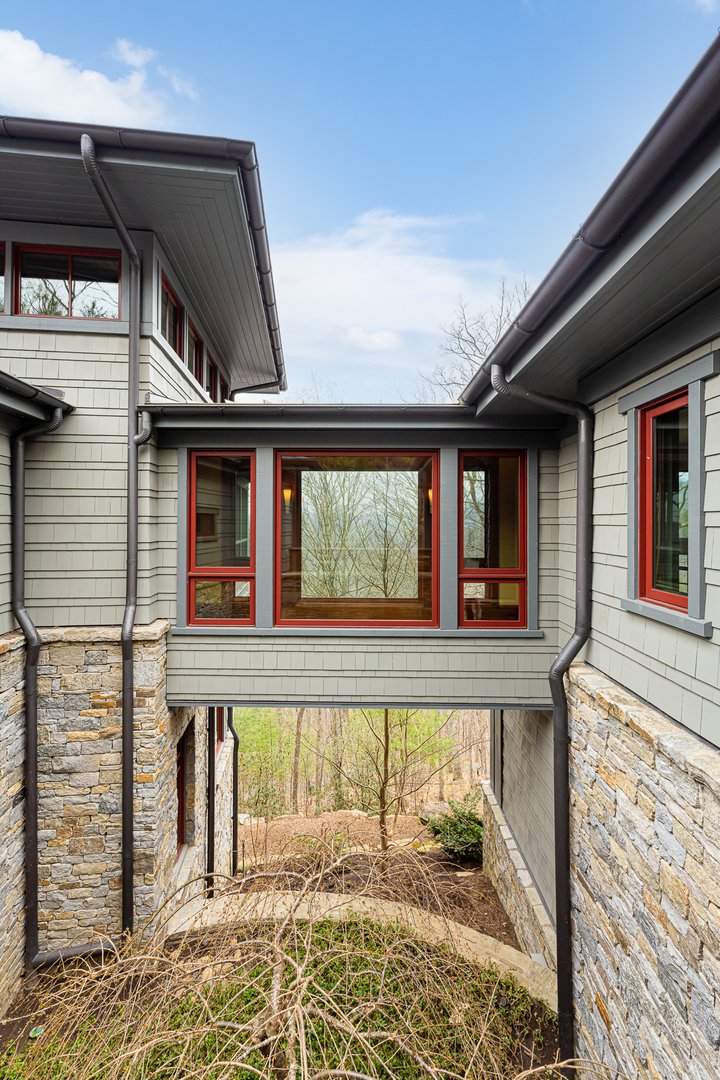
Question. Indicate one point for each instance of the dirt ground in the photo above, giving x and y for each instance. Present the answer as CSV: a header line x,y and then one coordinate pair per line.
x,y
460,891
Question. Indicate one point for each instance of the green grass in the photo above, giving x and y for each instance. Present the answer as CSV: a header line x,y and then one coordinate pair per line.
x,y
188,1014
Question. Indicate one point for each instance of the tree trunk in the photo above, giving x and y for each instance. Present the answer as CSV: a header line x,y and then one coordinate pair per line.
x,y
384,782
296,761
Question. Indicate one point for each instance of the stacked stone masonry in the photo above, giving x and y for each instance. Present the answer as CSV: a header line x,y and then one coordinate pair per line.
x,y
79,783
645,849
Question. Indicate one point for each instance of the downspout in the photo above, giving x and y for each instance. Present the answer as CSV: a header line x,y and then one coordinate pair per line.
x,y
89,160
33,643
235,789
556,675
211,748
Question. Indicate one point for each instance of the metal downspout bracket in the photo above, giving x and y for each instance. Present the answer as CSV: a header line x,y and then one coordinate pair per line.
x,y
556,679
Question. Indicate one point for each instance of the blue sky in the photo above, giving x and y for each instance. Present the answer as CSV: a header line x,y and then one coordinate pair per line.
x,y
410,151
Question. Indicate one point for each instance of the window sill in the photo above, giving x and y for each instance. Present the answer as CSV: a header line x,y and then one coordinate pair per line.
x,y
677,619
351,632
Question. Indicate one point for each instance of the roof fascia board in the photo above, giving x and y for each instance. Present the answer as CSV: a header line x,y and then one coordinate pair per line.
x,y
610,269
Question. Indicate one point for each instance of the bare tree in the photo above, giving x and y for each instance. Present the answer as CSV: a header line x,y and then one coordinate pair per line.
x,y
296,760
470,338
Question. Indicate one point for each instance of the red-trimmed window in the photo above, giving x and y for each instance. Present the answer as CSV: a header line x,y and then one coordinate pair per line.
x,y
663,502
171,317
2,279
219,727
221,563
224,389
356,538
66,283
493,539
212,379
196,354
181,764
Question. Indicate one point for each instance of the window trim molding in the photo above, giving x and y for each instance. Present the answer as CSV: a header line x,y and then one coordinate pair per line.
x,y
692,377
434,622
177,346
196,573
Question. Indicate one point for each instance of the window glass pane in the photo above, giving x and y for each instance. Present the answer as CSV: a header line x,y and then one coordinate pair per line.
x,y
95,287
491,601
222,511
171,321
491,494
356,537
218,599
44,283
2,279
670,502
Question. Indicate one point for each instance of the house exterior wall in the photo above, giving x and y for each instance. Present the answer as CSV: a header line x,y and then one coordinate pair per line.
x,y
645,874
674,670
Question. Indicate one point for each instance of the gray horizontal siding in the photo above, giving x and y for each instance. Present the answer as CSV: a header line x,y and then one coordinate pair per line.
x,y
217,669
527,793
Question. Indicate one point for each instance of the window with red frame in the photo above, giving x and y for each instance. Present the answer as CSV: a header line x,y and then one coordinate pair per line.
x,y
172,317
212,379
663,502
224,389
70,283
219,727
181,764
221,564
196,353
493,539
356,538
2,279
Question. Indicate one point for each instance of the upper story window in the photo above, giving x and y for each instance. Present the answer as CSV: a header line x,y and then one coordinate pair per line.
x,y
2,278
356,538
67,283
221,564
493,539
663,488
212,379
171,317
196,353
224,389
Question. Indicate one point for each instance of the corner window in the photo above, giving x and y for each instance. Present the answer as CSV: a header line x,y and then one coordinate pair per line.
x,y
221,587
67,283
493,539
663,488
171,317
356,539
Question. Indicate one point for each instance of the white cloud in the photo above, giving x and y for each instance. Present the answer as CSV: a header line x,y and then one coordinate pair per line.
x,y
364,306
38,83
133,55
182,87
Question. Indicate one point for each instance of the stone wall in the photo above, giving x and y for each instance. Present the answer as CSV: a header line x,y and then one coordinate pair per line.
x,y
79,785
645,842
12,879
504,864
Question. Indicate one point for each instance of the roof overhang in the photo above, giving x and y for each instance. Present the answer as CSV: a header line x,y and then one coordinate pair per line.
x,y
21,402
199,195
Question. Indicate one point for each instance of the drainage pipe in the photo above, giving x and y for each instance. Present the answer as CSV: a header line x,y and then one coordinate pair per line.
x,y
235,788
89,160
556,675
33,642
211,748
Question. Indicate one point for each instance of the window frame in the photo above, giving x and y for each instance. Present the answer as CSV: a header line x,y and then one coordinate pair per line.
x,y
646,488
198,368
220,727
498,574
434,621
3,277
689,377
177,346
234,573
62,249
212,377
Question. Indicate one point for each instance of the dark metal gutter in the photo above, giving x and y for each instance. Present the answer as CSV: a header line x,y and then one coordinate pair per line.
x,y
89,160
21,389
688,117
241,153
33,643
556,679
